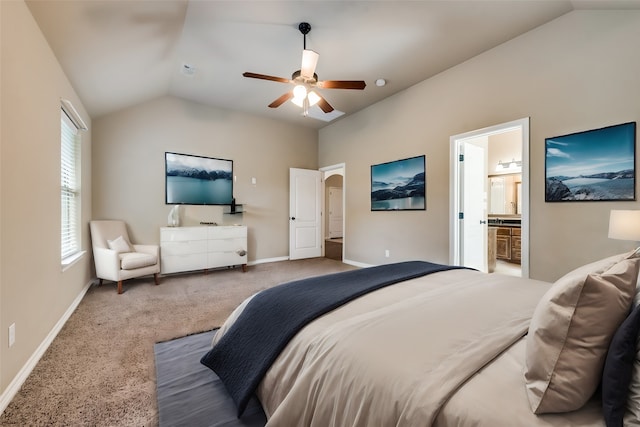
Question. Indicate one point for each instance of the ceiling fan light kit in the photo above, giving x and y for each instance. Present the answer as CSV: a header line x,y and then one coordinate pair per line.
x,y
306,80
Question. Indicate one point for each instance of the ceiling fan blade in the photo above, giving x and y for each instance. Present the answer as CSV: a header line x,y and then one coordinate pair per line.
x,y
284,98
342,84
265,77
324,105
309,62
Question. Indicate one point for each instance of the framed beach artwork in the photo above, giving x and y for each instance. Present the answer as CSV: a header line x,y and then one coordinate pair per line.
x,y
399,185
594,165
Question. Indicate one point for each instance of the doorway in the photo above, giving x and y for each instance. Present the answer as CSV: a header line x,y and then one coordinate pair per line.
x,y
470,203
334,208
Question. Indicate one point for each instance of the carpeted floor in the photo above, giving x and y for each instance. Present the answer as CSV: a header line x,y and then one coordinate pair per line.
x,y
100,371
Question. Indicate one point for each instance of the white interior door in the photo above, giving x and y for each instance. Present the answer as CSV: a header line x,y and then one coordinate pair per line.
x,y
474,204
305,213
335,212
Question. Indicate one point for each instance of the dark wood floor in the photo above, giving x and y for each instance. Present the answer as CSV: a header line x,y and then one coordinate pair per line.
x,y
333,249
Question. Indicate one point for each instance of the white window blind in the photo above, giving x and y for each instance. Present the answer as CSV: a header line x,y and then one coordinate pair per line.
x,y
70,186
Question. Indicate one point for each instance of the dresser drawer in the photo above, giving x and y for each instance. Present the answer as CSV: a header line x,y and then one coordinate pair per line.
x,y
223,259
178,263
227,245
182,234
184,247
226,232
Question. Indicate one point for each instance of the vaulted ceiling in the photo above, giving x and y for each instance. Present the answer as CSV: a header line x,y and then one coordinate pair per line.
x,y
121,53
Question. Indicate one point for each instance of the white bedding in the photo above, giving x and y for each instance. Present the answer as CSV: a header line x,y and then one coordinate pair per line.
x,y
397,355
496,396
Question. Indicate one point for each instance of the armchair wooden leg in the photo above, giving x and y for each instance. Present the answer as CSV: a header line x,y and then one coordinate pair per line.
x,y
100,282
119,287
155,276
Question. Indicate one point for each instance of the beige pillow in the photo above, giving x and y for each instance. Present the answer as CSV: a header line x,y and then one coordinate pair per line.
x,y
119,244
570,332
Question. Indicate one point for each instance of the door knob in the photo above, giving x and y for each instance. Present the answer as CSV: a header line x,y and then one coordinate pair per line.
x,y
293,218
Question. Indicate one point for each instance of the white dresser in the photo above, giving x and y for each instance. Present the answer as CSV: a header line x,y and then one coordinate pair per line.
x,y
201,248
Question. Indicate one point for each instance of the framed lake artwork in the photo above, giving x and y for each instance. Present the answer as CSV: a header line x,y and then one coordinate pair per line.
x,y
399,185
594,165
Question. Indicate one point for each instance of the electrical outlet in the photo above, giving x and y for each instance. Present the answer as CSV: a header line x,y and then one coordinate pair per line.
x,y
386,253
12,334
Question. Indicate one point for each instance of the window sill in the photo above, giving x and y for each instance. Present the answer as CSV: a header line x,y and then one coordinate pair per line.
x,y
69,261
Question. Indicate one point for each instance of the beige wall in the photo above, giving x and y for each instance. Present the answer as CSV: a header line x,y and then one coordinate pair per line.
x,y
34,292
576,73
128,168
503,147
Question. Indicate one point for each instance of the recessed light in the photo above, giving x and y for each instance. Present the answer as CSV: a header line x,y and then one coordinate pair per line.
x,y
381,82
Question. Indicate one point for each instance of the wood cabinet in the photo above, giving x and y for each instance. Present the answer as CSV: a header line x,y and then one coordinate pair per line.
x,y
508,244
516,245
202,248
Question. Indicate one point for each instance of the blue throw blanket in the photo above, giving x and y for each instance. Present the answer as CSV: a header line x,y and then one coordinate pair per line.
x,y
249,347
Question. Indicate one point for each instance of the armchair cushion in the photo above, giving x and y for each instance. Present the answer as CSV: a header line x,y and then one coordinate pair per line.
x,y
134,260
119,245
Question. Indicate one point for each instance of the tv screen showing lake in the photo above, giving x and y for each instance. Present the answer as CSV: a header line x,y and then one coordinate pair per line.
x,y
194,191
197,180
406,203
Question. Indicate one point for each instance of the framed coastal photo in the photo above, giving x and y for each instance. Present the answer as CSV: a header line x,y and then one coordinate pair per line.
x,y
594,165
399,185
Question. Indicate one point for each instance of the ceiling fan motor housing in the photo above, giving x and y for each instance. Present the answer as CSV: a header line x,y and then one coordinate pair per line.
x,y
304,28
297,77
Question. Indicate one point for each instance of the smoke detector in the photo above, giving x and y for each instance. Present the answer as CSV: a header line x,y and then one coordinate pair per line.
x,y
188,70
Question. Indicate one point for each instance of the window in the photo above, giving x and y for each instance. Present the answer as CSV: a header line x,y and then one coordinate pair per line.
x,y
70,183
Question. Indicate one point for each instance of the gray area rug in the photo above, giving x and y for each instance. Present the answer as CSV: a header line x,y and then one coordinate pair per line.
x,y
190,394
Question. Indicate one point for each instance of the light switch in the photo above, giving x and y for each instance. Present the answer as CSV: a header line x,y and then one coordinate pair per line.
x,y
253,180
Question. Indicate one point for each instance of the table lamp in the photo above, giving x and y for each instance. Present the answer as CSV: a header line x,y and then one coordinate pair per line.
x,y
625,225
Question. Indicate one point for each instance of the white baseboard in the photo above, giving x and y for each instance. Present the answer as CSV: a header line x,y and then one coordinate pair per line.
x,y
286,258
267,260
357,264
13,388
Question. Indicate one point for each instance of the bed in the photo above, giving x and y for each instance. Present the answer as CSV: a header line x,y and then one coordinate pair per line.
x,y
451,347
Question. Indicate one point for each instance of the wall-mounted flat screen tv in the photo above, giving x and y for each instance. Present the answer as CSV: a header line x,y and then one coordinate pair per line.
x,y
197,180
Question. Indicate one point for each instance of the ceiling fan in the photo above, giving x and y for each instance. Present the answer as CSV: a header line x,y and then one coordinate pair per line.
x,y
306,80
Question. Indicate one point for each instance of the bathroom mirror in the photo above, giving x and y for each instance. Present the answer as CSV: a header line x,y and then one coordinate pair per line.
x,y
503,194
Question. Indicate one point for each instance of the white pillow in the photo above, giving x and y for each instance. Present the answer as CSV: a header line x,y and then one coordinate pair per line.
x,y
119,245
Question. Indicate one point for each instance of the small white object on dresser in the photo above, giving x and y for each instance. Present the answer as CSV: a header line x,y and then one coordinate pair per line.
x,y
200,248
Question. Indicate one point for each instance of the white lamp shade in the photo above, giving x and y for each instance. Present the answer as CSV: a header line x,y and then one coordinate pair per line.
x,y
624,225
299,92
313,98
